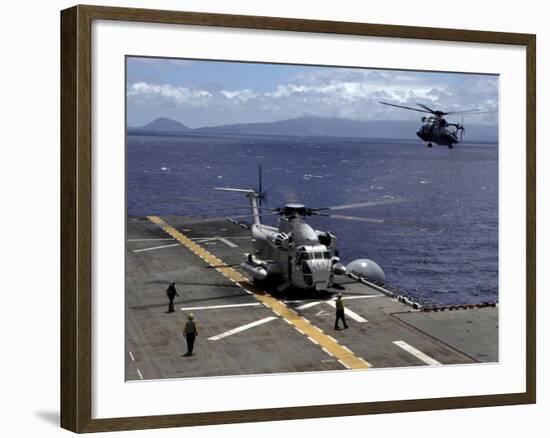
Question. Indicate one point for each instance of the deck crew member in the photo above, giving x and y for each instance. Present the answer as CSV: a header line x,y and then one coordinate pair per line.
x,y
340,313
190,332
172,293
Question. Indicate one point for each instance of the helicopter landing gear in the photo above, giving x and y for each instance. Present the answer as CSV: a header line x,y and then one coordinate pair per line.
x,y
430,144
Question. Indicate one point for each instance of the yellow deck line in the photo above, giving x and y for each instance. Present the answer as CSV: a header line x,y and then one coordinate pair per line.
x,y
341,353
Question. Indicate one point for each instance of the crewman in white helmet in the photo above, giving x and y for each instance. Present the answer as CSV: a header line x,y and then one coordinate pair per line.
x,y
190,332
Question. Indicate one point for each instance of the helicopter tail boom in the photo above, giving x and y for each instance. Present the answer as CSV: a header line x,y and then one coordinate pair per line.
x,y
252,196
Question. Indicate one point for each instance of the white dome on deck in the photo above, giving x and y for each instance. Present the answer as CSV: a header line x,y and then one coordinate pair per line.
x,y
367,269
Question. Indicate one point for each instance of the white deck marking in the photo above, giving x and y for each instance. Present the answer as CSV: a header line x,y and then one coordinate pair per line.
x,y
208,240
139,374
156,247
343,364
365,362
228,243
273,303
222,306
349,313
242,328
353,297
217,237
416,353
358,297
308,305
132,356
147,240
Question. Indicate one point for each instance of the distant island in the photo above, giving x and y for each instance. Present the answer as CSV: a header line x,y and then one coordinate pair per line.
x,y
164,124
312,127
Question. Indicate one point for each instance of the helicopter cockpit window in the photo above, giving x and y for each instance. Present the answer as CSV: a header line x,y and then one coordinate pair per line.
x,y
318,255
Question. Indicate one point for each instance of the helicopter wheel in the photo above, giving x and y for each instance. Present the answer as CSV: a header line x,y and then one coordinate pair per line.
x,y
450,146
430,145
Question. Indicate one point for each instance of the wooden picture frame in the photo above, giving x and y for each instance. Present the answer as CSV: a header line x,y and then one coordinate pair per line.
x,y
76,217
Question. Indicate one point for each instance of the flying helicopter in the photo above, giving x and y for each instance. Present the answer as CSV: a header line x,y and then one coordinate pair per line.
x,y
436,129
295,254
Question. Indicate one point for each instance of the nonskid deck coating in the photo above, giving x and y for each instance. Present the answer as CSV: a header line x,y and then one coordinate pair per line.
x,y
209,281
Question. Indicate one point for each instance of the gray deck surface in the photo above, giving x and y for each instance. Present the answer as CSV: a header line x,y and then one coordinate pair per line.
x,y
155,344
473,331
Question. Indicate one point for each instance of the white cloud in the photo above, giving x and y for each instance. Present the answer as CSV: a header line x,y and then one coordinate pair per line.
x,y
349,93
177,95
239,95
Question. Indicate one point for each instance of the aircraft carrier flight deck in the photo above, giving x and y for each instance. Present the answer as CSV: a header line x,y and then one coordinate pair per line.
x,y
245,330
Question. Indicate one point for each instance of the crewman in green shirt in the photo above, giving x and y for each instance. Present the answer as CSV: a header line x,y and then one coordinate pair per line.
x,y
190,332
340,313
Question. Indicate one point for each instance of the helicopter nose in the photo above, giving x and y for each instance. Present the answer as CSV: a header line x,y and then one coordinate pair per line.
x,y
321,270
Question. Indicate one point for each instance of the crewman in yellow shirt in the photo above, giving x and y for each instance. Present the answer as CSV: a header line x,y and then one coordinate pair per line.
x,y
340,312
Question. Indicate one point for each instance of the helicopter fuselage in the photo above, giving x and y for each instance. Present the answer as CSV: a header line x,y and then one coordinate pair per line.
x,y
293,254
437,131
435,128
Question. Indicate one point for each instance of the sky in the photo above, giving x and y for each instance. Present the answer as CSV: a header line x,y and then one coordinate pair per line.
x,y
201,93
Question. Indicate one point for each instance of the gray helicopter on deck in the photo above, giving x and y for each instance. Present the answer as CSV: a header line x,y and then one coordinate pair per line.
x,y
436,129
295,254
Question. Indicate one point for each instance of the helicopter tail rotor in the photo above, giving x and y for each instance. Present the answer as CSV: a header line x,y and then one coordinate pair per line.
x,y
461,128
462,131
262,196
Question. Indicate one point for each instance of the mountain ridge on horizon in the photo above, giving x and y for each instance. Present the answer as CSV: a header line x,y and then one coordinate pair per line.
x,y
315,126
164,124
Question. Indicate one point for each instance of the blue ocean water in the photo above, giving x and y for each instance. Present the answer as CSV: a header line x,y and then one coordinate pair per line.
x,y
440,243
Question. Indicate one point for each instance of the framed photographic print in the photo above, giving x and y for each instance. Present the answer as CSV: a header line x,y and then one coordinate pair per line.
x,y
259,212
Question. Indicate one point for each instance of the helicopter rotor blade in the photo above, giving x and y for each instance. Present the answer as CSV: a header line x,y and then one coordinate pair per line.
x,y
379,221
405,107
471,112
426,108
450,113
351,218
362,204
